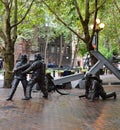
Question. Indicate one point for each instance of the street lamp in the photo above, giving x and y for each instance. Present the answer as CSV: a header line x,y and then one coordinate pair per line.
x,y
98,27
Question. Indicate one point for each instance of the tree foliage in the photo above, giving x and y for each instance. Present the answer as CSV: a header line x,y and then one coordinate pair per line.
x,y
18,17
109,37
77,16
9,22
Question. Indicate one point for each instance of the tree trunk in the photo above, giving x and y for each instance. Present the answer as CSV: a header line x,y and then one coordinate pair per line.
x,y
8,64
45,51
8,34
61,51
75,55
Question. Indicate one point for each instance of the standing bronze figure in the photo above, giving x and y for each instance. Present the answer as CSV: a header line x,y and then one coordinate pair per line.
x,y
38,76
20,66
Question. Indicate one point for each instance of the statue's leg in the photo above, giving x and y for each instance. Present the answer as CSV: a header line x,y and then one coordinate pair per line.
x,y
13,89
87,88
102,92
111,94
29,89
94,90
44,88
87,91
103,95
24,84
92,95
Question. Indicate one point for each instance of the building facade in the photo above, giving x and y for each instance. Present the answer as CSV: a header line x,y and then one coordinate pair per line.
x,y
58,52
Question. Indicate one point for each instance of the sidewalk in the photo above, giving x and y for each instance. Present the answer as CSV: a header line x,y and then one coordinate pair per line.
x,y
59,112
110,79
1,77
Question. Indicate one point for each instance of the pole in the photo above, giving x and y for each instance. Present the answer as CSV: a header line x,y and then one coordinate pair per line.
x,y
97,32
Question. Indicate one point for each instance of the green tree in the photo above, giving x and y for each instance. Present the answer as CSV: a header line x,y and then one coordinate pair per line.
x,y
109,37
77,15
9,22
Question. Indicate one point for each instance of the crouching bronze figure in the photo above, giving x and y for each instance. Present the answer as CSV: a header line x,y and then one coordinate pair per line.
x,y
94,89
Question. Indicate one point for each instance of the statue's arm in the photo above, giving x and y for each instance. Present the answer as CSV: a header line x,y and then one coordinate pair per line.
x,y
29,69
23,67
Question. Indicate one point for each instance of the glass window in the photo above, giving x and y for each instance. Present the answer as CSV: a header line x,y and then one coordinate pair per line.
x,y
52,49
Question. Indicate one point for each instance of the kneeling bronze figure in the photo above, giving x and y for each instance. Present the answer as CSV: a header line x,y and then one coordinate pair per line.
x,y
94,89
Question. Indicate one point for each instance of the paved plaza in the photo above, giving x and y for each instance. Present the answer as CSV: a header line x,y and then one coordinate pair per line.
x,y
59,112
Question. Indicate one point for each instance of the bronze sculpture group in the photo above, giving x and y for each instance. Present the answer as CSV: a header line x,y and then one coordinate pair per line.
x,y
93,85
22,68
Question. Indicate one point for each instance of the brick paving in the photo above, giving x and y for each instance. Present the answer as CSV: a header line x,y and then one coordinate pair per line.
x,y
59,112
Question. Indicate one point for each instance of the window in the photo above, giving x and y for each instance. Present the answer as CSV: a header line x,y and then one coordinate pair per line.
x,y
52,49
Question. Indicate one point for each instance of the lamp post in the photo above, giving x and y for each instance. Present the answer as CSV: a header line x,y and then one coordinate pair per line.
x,y
98,27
